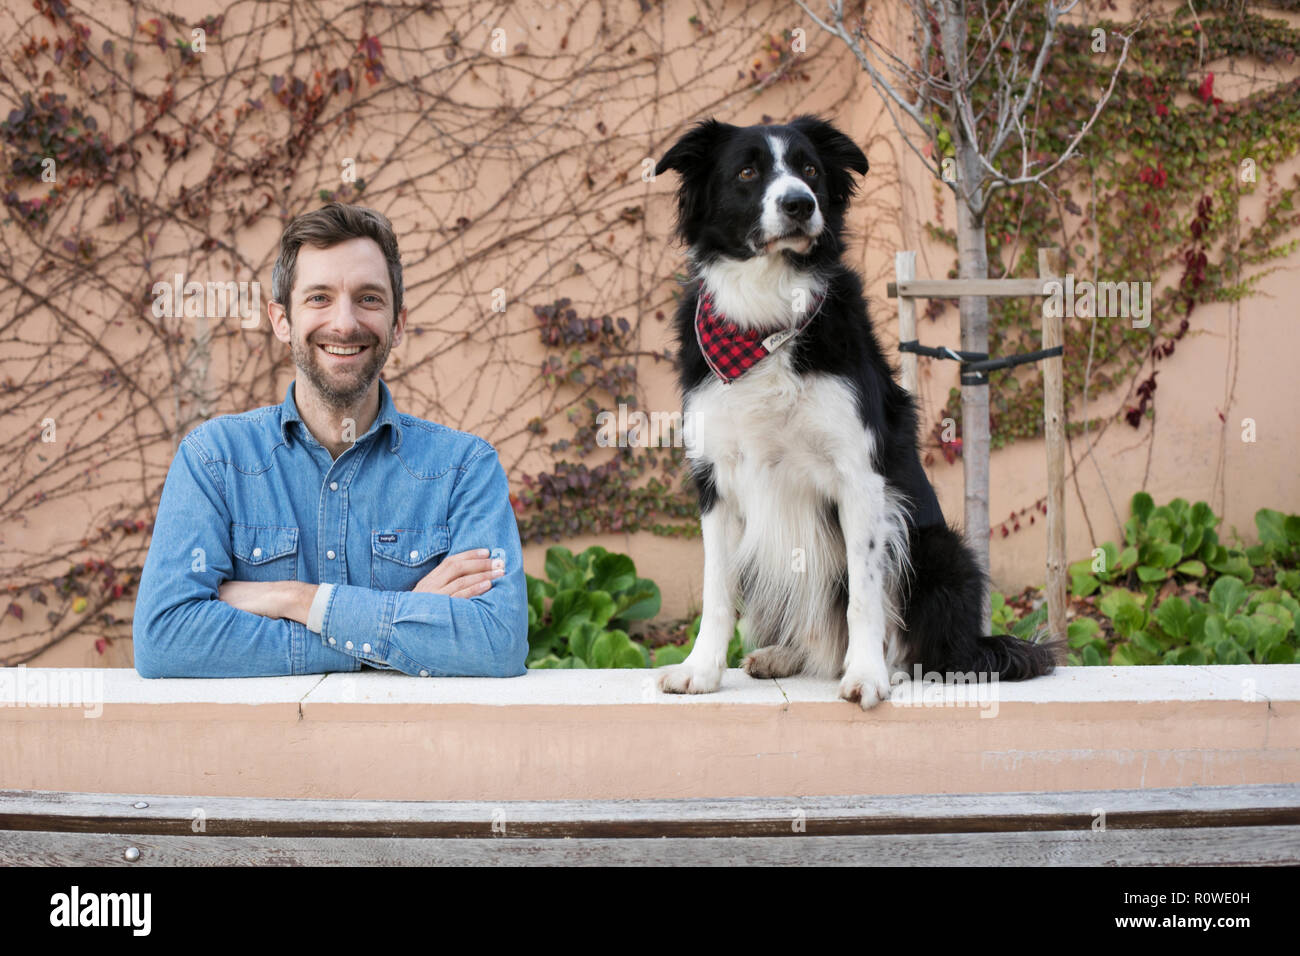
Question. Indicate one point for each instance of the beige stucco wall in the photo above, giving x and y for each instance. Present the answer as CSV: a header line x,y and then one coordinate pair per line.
x,y
1237,360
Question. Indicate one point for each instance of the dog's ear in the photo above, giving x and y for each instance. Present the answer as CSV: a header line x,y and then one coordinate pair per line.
x,y
837,151
696,146
693,156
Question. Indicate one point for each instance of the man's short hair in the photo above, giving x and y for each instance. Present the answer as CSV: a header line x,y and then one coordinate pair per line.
x,y
328,226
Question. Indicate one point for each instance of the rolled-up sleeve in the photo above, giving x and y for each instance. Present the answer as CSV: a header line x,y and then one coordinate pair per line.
x,y
433,635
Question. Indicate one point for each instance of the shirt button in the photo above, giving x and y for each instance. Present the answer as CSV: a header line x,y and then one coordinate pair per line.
x,y
424,673
366,648
414,555
332,642
348,645
334,486
257,552
330,555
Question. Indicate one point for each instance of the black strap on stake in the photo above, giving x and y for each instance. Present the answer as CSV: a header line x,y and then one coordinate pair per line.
x,y
975,364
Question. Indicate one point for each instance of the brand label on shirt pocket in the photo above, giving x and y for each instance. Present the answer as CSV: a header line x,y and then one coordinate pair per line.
x,y
399,558
264,552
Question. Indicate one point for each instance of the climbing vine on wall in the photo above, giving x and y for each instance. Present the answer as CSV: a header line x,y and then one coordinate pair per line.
x,y
1155,196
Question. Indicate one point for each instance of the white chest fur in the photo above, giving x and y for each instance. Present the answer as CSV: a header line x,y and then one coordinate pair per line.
x,y
783,448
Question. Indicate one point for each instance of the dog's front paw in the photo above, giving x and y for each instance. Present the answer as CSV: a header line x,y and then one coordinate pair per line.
x,y
866,687
689,678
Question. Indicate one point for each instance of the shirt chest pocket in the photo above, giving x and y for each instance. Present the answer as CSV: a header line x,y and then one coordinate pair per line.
x,y
400,558
264,552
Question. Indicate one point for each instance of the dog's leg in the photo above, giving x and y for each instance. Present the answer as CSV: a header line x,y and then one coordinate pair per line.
x,y
863,521
701,672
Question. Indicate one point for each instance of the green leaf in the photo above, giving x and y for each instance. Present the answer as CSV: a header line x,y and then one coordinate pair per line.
x,y
1129,619
1202,516
558,562
1081,630
1081,585
1025,627
1173,617
1141,506
1159,528
640,603
568,610
669,654
1216,629
1227,594
1193,569
613,573
1114,599
602,607
1148,574
536,595
1147,644
1293,529
1186,655
1127,558
1091,658
1272,528
1227,652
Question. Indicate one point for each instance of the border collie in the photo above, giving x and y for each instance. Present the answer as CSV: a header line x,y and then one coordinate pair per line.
x,y
818,520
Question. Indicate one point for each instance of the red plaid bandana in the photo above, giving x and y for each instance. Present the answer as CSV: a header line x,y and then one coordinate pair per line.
x,y
732,351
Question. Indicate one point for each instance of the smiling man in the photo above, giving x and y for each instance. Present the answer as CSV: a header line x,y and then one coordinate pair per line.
x,y
332,532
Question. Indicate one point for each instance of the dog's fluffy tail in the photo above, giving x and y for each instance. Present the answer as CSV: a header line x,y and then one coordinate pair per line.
x,y
1010,657
944,603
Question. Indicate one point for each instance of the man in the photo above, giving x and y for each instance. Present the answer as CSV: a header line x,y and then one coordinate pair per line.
x,y
330,531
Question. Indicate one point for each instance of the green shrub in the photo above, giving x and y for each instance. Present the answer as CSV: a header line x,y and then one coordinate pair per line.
x,y
1250,613
579,616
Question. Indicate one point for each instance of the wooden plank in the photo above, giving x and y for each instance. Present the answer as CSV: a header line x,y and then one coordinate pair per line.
x,y
1235,806
953,288
1049,264
905,271
1243,846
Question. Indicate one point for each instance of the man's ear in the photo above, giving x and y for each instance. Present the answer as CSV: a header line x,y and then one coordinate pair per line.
x,y
279,321
689,152
838,153
399,327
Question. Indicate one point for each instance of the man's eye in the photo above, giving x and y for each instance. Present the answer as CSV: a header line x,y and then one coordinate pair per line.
x,y
315,295
810,171
748,173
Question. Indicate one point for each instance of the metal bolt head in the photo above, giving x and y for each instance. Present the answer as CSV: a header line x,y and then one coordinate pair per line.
x,y
140,805
131,854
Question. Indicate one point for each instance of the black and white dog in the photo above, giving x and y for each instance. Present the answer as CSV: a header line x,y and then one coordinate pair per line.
x,y
818,519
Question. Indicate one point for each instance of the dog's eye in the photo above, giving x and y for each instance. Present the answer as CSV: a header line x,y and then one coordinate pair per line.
x,y
810,170
748,173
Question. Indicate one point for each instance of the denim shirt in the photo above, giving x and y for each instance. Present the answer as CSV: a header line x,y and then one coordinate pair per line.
x,y
254,497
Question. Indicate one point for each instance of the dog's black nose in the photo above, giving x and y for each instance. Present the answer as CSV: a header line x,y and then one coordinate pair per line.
x,y
798,206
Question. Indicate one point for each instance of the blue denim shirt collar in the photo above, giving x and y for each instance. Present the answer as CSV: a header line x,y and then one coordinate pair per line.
x,y
387,415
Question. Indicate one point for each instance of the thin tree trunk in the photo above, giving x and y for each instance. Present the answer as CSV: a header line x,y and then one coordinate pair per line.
x,y
973,263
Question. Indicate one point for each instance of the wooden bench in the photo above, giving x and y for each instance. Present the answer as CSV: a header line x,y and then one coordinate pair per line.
x,y
1244,825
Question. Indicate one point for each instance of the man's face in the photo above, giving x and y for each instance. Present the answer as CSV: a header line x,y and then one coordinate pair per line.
x,y
341,298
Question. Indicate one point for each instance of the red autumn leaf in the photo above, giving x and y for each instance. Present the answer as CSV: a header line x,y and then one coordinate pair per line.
x,y
16,611
99,645
1206,92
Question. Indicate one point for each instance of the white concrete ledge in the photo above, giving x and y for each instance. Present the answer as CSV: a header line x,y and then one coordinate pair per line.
x,y
553,735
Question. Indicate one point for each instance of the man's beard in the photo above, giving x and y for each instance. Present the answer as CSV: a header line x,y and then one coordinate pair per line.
x,y
340,389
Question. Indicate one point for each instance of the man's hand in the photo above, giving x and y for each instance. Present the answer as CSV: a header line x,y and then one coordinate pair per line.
x,y
463,575
291,599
